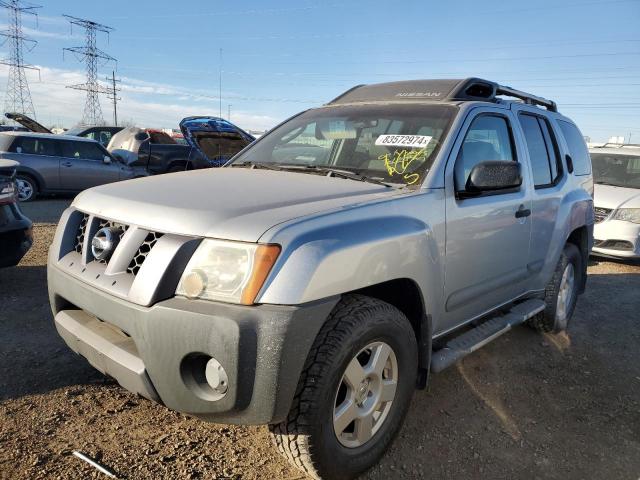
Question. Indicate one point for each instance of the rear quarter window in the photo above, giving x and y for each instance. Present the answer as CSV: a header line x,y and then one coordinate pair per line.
x,y
34,146
577,148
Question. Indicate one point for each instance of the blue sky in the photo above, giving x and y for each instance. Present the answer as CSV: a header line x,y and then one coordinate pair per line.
x,y
282,57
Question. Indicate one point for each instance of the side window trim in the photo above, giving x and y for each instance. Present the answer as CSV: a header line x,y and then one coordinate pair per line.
x,y
461,194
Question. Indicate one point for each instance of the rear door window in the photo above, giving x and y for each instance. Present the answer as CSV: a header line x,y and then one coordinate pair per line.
x,y
542,149
82,150
577,148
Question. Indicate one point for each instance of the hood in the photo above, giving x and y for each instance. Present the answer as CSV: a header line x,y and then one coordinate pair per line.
x,y
126,143
608,196
27,122
226,203
215,138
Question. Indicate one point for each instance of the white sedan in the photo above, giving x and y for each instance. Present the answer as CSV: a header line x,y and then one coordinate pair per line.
x,y
616,173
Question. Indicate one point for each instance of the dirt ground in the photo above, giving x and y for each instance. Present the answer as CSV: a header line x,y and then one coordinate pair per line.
x,y
526,406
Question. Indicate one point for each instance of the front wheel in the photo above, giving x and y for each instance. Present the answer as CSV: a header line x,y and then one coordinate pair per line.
x,y
353,393
27,188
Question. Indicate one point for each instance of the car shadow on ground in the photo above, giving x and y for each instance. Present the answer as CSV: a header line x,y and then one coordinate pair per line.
x,y
33,357
595,260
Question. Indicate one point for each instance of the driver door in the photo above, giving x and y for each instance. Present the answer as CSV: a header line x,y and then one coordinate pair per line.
x,y
83,166
487,234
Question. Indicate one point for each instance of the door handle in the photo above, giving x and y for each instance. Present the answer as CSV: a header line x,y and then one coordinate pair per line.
x,y
522,212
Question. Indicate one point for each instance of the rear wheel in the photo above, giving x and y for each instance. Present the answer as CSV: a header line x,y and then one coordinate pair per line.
x,y
354,391
561,293
178,168
27,188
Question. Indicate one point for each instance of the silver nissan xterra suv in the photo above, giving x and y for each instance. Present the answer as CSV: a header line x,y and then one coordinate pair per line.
x,y
314,282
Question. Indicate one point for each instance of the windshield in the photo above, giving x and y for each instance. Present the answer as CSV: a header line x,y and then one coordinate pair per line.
x,y
392,143
615,169
75,131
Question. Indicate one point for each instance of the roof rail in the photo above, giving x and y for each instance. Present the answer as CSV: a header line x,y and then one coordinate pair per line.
x,y
527,97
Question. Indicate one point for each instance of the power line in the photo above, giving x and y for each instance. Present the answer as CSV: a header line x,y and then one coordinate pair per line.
x,y
90,54
113,95
18,97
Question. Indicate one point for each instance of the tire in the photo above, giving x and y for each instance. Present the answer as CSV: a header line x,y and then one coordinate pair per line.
x,y
27,188
559,307
177,168
360,329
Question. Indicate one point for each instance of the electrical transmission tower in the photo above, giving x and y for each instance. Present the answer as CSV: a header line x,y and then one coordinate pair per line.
x,y
91,55
18,97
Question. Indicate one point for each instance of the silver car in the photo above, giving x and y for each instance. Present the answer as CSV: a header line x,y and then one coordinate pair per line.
x,y
60,164
616,174
316,281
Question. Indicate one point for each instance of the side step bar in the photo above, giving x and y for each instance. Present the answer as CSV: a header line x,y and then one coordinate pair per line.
x,y
477,337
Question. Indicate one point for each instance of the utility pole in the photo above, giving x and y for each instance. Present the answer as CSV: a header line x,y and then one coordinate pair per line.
x,y
113,96
18,97
90,54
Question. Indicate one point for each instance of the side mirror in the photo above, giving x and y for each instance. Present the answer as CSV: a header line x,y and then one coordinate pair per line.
x,y
106,159
494,175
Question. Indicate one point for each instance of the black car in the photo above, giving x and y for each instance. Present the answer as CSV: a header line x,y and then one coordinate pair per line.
x,y
15,229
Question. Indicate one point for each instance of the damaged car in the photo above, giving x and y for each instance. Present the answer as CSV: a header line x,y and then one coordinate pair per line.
x,y
215,138
15,229
210,142
99,133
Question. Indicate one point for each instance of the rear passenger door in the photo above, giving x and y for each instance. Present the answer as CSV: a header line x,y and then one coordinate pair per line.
x,y
41,155
548,176
83,166
487,234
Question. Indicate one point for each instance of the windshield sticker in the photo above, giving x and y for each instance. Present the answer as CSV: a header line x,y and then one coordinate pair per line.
x,y
410,141
401,160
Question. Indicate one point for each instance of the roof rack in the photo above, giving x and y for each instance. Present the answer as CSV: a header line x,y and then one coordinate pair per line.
x,y
527,98
469,89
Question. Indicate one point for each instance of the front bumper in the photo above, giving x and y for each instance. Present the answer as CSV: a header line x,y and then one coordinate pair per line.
x,y
616,238
262,348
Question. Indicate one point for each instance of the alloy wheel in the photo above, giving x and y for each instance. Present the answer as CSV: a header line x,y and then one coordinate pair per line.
x,y
365,394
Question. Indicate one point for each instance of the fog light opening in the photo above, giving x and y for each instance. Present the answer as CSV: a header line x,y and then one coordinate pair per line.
x,y
204,376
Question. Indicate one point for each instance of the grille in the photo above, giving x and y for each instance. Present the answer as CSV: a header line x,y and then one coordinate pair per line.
x,y
141,255
82,229
110,224
601,213
623,245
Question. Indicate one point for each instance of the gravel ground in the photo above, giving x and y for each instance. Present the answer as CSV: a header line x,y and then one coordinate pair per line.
x,y
525,406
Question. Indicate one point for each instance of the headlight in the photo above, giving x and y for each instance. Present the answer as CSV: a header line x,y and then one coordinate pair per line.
x,y
7,192
627,215
227,271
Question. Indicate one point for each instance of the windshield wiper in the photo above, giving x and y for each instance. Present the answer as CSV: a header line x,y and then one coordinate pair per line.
x,y
336,172
266,166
